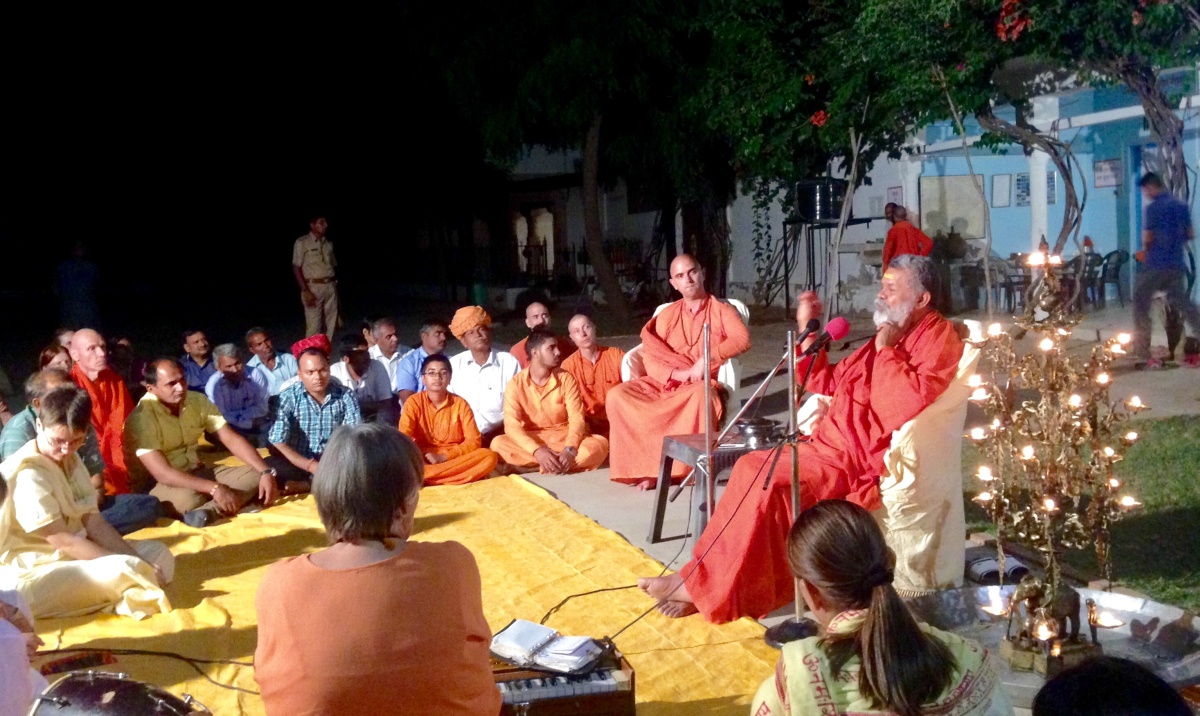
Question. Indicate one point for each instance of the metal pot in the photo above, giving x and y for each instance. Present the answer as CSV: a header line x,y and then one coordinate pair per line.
x,y
759,433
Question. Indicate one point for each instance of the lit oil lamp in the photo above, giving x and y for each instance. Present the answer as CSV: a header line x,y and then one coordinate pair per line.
x,y
1124,338
979,395
1103,379
1075,401
1130,437
1028,453
977,434
1135,404
1037,258
1113,483
995,329
985,473
996,607
982,498
1049,505
1128,502
1047,344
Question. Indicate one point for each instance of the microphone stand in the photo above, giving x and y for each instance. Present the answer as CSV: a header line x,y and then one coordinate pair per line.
x,y
789,352
796,627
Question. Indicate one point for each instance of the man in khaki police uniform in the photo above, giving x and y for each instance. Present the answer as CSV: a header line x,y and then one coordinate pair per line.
x,y
313,264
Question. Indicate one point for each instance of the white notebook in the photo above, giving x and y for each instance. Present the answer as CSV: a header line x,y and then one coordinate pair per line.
x,y
531,645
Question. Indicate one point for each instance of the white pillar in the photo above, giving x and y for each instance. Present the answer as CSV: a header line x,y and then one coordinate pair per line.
x,y
1038,220
910,181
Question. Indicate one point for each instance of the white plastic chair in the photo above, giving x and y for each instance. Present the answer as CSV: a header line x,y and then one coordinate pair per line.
x,y
728,375
922,485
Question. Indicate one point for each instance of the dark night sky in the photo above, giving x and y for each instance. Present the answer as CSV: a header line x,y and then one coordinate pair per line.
x,y
199,140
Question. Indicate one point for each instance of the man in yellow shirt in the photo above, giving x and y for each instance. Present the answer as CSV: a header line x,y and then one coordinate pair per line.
x,y
314,266
162,434
544,421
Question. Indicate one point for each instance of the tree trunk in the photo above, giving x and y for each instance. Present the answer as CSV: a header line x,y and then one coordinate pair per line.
x,y
593,237
706,236
1059,152
1165,125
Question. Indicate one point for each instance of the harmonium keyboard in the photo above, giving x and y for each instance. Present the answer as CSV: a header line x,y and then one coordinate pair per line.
x,y
605,691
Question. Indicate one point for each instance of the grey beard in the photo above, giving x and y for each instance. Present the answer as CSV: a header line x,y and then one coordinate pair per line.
x,y
898,315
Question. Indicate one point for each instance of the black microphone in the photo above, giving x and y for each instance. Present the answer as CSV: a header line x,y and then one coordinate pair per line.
x,y
835,330
810,328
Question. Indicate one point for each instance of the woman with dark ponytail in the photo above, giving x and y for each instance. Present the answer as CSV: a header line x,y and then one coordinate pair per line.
x,y
873,656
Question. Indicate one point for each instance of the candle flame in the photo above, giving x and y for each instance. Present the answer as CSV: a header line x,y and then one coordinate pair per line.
x,y
1134,403
1131,436
1075,401
1128,502
1043,632
982,497
1049,504
995,609
985,473
1117,350
1114,483
1123,338
995,329
1037,258
1103,379
1109,452
1027,453
978,434
1104,620
1055,260
979,395
1063,332
1056,649
1047,344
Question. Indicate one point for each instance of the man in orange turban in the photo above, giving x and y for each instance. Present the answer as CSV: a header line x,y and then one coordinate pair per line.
x,y
480,374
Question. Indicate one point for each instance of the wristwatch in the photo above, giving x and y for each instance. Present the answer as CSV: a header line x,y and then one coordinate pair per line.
x,y
269,471
574,452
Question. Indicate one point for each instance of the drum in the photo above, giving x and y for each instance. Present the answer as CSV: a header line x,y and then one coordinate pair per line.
x,y
95,693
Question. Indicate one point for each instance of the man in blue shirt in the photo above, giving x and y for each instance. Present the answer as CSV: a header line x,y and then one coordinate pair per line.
x,y
309,411
1165,235
240,395
197,364
408,372
277,367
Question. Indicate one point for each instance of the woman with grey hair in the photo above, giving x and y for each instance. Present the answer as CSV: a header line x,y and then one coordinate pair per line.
x,y
374,623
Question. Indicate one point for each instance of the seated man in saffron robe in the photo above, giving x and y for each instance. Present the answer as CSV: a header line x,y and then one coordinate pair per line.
x,y
903,237
669,399
875,391
443,427
537,316
596,368
544,423
111,404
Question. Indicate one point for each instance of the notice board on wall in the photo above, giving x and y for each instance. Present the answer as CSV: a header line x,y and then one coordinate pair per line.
x,y
952,203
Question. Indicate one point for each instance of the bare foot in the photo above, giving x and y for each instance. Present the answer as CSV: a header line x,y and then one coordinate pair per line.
x,y
296,487
648,484
675,610
668,588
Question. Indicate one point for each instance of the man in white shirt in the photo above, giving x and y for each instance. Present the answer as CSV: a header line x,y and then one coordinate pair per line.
x,y
480,374
367,379
278,367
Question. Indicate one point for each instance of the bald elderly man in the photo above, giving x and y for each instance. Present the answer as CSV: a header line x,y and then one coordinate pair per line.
x,y
111,404
481,373
538,316
596,368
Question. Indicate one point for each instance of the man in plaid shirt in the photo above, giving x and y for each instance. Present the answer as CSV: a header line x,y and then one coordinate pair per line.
x,y
309,411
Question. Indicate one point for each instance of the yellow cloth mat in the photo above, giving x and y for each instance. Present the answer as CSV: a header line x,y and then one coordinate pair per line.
x,y
532,550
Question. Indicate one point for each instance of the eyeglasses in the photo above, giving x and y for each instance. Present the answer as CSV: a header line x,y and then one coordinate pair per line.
x,y
437,373
71,444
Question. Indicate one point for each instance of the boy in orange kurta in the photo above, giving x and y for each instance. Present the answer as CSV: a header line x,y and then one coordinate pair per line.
x,y
669,399
443,427
595,368
544,422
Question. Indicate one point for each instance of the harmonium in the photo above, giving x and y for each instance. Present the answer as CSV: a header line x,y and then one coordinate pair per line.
x,y
607,690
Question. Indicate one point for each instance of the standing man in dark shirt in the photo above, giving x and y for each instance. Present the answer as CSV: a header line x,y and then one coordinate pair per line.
x,y
1165,235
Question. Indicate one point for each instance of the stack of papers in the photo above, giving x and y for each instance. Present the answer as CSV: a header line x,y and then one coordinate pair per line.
x,y
533,645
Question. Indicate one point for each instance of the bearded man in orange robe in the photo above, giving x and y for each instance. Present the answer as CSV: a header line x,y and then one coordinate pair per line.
x,y
596,368
111,404
537,316
669,399
443,427
903,237
739,565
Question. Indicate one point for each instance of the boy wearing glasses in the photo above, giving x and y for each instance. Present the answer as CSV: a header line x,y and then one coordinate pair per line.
x,y
442,425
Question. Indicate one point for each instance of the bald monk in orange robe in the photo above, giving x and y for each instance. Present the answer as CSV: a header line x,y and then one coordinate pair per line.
x,y
111,404
537,316
903,237
875,390
443,427
669,399
596,369
544,422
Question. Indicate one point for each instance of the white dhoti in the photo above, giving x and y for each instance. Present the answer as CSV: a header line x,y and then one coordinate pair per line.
x,y
120,583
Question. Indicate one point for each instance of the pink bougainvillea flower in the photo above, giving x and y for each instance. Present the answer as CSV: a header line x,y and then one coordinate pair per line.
x,y
819,119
